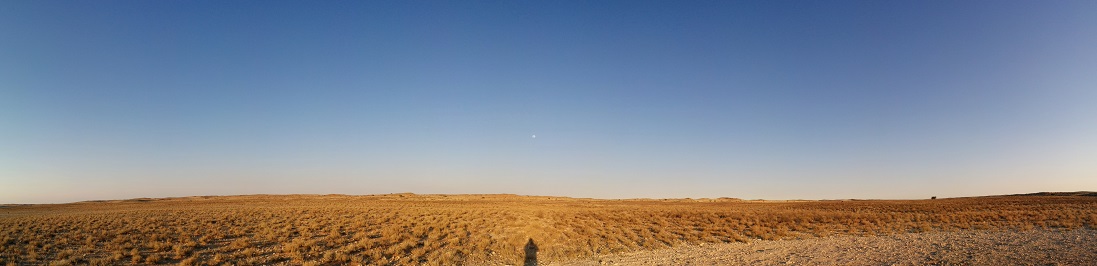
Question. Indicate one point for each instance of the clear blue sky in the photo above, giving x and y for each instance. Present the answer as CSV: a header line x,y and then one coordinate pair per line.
x,y
749,99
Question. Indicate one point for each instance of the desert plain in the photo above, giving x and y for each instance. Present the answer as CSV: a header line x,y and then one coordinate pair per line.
x,y
412,229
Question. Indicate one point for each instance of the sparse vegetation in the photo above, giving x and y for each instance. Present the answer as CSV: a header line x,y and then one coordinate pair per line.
x,y
407,229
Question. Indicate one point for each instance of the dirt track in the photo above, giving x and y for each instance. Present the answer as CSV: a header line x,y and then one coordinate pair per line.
x,y
1035,247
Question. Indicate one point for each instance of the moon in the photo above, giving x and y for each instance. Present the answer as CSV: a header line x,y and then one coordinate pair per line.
x,y
534,136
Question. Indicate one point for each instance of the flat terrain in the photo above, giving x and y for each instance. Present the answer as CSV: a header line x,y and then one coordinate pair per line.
x,y
401,229
968,247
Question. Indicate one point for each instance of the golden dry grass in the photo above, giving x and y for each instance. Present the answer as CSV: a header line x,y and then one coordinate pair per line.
x,y
401,229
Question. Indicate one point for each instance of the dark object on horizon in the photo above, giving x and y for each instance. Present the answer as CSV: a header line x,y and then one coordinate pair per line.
x,y
934,197
531,253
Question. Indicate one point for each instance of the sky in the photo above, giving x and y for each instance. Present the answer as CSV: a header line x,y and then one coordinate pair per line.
x,y
627,99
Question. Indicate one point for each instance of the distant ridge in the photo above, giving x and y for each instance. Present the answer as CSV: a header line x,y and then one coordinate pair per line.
x,y
1077,193
465,197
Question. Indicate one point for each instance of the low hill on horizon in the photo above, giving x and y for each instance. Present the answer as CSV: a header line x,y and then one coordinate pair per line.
x,y
458,197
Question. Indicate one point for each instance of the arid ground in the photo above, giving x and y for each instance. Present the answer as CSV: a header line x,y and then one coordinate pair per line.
x,y
965,247
402,229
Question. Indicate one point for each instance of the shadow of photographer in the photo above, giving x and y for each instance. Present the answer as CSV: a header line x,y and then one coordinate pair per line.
x,y
531,253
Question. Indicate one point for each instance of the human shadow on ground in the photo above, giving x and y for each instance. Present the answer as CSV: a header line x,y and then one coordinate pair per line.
x,y
531,253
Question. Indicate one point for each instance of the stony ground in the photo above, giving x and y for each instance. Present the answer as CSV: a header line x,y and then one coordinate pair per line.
x,y
1033,247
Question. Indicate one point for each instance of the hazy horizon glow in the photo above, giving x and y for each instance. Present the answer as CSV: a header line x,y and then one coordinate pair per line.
x,y
627,99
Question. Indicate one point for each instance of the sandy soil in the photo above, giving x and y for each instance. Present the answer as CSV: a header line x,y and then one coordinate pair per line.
x,y
1035,247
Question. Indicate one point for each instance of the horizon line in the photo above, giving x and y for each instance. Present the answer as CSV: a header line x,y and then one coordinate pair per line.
x,y
1042,193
